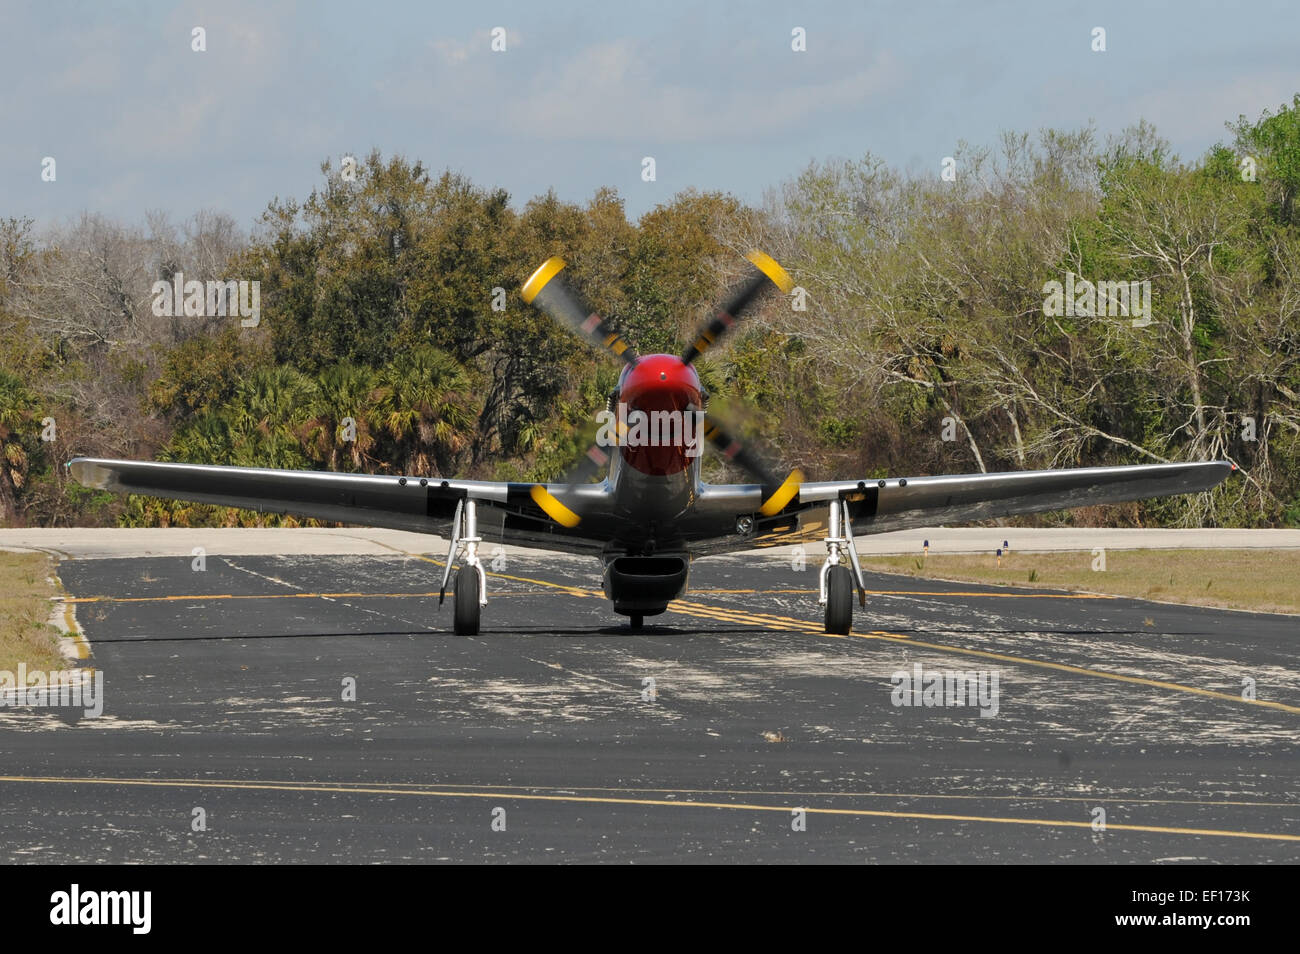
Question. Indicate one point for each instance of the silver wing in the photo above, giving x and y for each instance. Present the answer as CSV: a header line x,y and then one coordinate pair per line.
x,y
725,516
878,506
506,511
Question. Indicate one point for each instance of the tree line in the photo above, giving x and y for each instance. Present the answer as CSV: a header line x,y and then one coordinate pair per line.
x,y
930,332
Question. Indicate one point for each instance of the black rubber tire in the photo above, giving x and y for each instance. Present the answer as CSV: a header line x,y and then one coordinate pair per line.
x,y
636,620
466,600
839,600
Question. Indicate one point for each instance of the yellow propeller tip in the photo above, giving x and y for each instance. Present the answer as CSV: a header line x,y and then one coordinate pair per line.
x,y
772,269
538,279
553,508
783,495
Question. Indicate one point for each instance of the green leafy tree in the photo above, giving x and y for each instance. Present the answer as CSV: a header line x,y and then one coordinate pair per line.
x,y
18,411
426,411
341,431
1274,141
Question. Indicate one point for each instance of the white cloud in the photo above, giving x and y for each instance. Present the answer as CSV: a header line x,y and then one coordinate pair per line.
x,y
616,91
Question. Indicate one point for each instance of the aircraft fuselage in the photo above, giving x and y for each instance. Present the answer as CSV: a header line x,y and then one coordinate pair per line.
x,y
655,478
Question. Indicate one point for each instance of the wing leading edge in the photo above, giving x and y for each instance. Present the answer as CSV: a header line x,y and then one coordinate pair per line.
x,y
508,512
879,506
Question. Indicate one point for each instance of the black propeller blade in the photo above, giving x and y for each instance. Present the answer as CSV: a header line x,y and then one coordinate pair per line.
x,y
549,292
776,494
589,464
764,273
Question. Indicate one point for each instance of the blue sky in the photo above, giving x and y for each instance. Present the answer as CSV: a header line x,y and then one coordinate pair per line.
x,y
138,121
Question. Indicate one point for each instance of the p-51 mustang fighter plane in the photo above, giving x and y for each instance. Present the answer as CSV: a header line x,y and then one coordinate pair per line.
x,y
652,514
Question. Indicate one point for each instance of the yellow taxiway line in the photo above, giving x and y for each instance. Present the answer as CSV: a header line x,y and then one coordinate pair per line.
x,y
750,793
78,638
503,795
996,596
419,595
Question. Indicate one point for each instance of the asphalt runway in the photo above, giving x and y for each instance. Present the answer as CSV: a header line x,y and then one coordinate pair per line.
x,y
541,740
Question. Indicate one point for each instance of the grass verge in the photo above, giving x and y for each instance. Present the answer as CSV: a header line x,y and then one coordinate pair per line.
x,y
1265,581
25,634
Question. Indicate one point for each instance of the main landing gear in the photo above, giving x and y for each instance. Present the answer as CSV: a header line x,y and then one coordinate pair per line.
x,y
470,592
836,581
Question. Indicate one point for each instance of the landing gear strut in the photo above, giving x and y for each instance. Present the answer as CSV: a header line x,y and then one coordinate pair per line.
x,y
837,583
636,621
471,580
